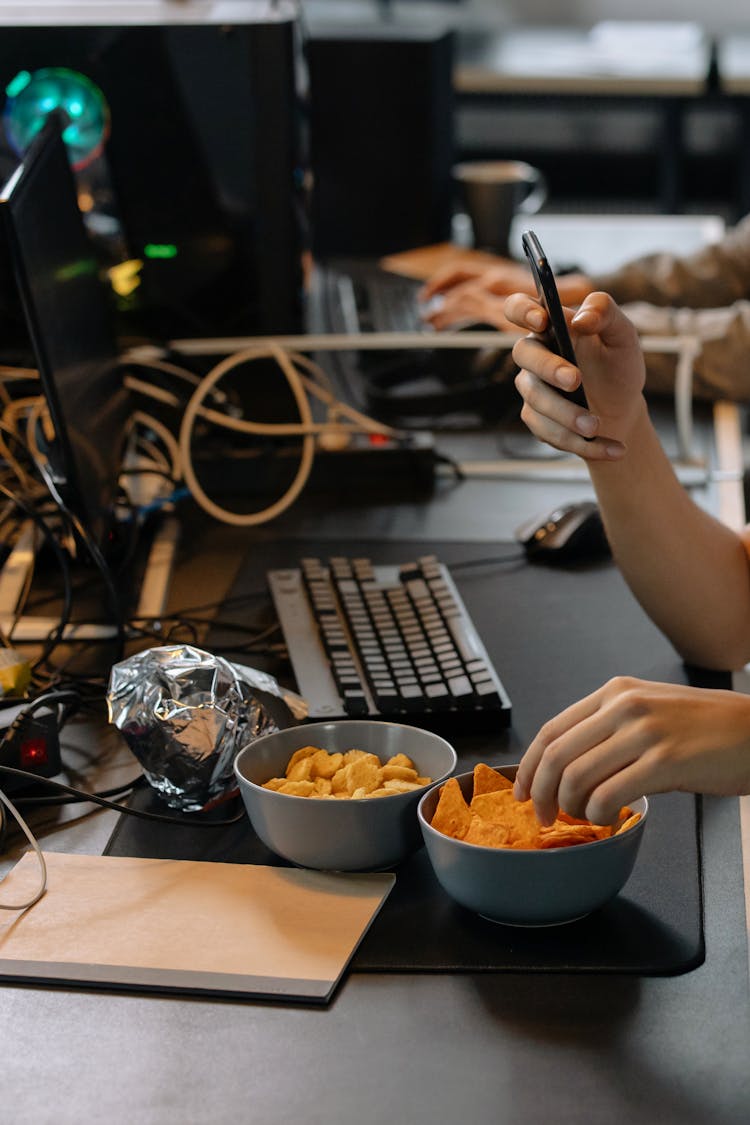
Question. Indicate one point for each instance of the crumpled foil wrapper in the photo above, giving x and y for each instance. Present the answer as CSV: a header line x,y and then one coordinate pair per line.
x,y
186,714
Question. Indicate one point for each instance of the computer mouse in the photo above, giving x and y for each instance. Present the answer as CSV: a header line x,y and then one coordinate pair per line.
x,y
569,533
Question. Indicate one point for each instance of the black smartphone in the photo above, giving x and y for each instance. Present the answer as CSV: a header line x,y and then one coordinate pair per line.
x,y
556,336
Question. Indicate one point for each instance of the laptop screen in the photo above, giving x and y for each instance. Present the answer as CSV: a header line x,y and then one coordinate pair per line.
x,y
68,319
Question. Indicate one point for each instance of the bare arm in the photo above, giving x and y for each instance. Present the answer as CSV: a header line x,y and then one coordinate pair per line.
x,y
690,572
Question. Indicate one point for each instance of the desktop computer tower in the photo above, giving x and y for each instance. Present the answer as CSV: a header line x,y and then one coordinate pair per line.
x,y
381,141
196,174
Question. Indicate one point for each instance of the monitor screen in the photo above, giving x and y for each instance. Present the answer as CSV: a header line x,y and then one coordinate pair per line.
x,y
67,315
185,139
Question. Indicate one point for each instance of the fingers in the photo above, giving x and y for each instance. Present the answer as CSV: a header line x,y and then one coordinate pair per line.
x,y
526,312
466,306
532,353
550,734
607,749
599,315
557,421
633,781
445,278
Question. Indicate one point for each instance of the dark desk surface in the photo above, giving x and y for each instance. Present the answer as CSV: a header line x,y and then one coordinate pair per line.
x,y
432,1048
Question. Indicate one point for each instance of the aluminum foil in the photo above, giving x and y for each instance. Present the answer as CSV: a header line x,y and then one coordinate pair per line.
x,y
186,714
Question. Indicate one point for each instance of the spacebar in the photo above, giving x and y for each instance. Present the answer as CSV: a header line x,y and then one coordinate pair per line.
x,y
466,638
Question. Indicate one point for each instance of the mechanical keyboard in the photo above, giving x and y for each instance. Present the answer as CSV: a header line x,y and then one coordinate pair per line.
x,y
366,298
394,642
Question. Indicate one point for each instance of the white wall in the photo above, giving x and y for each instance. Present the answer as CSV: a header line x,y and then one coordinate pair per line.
x,y
717,17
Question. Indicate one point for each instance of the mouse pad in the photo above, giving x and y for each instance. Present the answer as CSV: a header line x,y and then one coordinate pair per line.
x,y
553,637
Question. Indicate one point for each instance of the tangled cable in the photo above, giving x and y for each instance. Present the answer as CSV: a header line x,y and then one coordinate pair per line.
x,y
305,378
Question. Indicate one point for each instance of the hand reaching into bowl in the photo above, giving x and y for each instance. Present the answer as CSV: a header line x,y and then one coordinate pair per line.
x,y
632,737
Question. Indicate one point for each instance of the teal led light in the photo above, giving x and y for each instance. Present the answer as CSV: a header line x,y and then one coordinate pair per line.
x,y
17,84
31,96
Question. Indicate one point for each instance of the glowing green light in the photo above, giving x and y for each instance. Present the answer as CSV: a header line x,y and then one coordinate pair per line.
x,y
32,96
160,250
18,83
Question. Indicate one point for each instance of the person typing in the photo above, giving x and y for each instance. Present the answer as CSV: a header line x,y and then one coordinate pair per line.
x,y
705,294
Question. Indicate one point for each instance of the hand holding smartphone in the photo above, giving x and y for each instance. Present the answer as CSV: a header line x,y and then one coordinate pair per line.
x,y
556,337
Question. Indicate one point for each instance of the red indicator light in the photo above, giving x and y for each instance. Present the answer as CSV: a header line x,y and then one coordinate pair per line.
x,y
33,752
379,439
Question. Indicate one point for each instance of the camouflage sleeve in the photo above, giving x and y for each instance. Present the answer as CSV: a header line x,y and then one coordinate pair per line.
x,y
722,367
714,276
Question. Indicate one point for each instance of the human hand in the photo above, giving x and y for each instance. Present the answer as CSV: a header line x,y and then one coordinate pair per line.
x,y
466,293
633,737
501,277
610,361
468,305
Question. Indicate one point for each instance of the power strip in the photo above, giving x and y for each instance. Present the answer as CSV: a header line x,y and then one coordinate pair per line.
x,y
369,464
33,745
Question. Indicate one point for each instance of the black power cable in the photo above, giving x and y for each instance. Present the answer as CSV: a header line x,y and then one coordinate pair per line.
x,y
81,795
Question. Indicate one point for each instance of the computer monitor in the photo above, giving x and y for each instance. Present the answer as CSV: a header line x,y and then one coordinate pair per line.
x,y
193,118
68,318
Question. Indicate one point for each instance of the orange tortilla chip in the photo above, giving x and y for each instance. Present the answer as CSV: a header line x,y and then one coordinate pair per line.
x,y
497,805
487,780
486,834
518,818
564,835
566,818
452,815
495,819
627,823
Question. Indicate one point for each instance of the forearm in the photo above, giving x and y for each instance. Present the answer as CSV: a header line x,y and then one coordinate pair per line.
x,y
689,572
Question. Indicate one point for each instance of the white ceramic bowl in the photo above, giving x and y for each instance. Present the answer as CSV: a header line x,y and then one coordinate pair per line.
x,y
529,887
364,835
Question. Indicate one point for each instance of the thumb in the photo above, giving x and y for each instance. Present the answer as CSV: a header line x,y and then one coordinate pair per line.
x,y
599,315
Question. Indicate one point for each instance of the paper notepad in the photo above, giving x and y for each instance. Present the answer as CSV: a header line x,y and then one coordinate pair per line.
x,y
186,926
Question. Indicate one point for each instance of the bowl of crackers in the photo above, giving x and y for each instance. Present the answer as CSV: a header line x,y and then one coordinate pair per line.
x,y
491,854
341,795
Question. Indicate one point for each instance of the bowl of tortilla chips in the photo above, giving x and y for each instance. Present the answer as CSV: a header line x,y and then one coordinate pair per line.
x,y
491,854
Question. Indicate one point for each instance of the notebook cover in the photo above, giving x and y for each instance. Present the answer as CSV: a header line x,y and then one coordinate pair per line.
x,y
184,926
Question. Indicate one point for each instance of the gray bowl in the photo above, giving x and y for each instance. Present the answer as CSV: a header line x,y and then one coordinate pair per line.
x,y
365,835
529,888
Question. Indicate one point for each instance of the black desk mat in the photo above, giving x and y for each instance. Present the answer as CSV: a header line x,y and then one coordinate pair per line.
x,y
538,625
